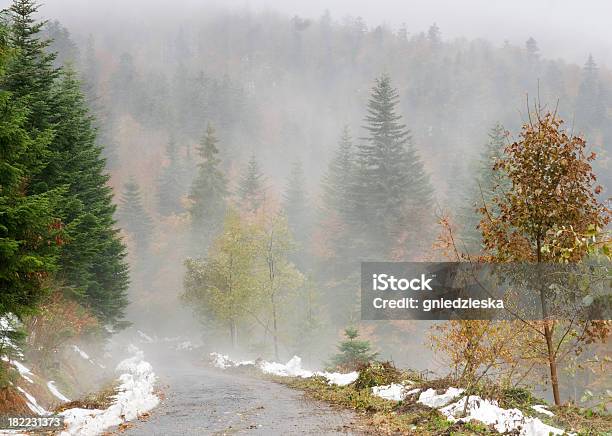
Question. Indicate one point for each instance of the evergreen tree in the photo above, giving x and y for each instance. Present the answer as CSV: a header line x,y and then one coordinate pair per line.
x,y
338,180
590,107
208,191
251,189
533,52
170,184
392,192
487,183
92,262
295,204
134,217
353,353
30,73
29,233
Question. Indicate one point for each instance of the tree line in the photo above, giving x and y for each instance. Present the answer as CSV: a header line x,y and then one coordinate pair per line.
x,y
58,234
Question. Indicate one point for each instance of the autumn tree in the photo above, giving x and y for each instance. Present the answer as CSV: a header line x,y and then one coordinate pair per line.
x,y
279,278
552,199
220,286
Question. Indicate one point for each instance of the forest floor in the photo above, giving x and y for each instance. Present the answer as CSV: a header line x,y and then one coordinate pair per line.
x,y
201,400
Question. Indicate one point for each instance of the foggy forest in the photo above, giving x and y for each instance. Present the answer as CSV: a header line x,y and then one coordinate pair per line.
x,y
189,192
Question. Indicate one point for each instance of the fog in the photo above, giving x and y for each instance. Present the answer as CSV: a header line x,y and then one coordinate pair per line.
x,y
279,81
564,29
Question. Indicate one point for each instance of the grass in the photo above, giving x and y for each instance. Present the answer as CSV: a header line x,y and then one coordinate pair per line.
x,y
383,416
411,418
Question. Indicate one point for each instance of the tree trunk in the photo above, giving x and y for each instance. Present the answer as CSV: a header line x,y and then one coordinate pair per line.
x,y
548,335
275,329
552,362
234,334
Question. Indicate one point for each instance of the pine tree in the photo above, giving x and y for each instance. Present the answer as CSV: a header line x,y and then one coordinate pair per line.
x,y
487,183
170,184
208,192
251,189
134,217
295,204
392,192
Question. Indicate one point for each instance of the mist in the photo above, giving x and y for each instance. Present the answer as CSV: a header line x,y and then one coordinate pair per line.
x,y
259,151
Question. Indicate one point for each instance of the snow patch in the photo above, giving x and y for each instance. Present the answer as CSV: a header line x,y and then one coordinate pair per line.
x,y
394,391
21,368
541,408
81,353
145,338
135,396
223,361
434,400
503,420
53,389
32,403
338,378
293,368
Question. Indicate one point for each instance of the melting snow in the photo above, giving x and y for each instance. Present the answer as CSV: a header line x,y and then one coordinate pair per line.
x,y
223,361
394,391
32,404
503,420
23,371
82,353
432,399
340,379
293,368
53,389
541,408
135,397
146,338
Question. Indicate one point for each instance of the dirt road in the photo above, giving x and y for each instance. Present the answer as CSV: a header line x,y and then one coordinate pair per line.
x,y
205,401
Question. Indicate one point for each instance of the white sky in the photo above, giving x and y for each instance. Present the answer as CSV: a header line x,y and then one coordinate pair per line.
x,y
567,29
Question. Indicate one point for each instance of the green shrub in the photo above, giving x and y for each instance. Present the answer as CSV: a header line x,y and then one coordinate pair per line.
x,y
377,374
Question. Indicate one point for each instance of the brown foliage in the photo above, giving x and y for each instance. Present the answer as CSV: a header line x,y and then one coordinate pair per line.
x,y
58,320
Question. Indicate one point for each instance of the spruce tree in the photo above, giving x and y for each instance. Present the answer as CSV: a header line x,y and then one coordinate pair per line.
x,y
29,233
208,192
170,184
295,204
251,189
338,181
353,353
392,192
30,73
590,106
134,217
92,262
